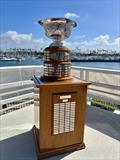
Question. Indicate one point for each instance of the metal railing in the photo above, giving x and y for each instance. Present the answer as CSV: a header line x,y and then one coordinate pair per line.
x,y
17,88
105,83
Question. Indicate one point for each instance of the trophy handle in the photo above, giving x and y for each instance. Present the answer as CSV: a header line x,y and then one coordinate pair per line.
x,y
75,24
40,22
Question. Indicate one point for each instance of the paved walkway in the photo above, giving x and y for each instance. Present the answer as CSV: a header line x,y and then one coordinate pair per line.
x,y
101,137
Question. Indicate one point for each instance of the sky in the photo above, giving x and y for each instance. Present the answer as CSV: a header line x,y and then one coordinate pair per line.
x,y
98,23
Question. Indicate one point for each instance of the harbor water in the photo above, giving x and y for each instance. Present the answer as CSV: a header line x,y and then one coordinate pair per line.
x,y
105,65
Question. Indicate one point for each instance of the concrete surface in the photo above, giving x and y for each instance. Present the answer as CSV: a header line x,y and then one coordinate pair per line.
x,y
101,136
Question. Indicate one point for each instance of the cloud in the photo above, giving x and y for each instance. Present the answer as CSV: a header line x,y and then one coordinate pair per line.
x,y
102,39
36,23
117,41
99,42
38,41
79,37
82,36
14,36
13,39
68,15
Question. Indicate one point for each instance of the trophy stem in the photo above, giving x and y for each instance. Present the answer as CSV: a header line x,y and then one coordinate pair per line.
x,y
56,43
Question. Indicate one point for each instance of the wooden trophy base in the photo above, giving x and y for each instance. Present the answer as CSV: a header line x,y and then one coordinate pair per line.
x,y
54,152
62,107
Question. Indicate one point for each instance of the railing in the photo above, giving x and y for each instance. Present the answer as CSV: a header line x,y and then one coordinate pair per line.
x,y
105,82
17,89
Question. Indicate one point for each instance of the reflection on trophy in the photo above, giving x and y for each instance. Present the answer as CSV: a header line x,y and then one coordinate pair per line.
x,y
57,61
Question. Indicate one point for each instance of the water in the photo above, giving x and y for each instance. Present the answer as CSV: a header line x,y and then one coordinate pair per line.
x,y
106,65
5,63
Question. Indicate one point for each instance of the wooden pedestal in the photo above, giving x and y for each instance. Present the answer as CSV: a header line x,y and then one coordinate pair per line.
x,y
62,108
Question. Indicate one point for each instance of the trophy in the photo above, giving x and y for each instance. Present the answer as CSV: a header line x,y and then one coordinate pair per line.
x,y
59,105
57,61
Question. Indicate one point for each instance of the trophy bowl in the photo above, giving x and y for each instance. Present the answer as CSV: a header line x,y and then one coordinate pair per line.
x,y
57,28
